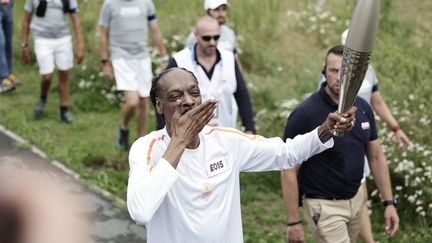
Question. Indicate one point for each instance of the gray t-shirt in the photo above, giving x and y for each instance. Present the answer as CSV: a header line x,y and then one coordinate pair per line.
x,y
54,24
227,40
127,22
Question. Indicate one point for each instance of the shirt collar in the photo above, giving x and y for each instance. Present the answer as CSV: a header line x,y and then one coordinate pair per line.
x,y
326,97
218,55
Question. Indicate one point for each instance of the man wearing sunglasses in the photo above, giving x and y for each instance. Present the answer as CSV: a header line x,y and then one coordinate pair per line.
x,y
218,75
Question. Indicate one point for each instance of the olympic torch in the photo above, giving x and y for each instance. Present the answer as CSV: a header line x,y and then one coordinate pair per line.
x,y
357,51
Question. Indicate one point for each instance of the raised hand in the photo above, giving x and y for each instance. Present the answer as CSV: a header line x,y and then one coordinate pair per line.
x,y
185,124
336,122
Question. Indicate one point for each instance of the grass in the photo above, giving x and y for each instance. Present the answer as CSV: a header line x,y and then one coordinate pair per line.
x,y
283,44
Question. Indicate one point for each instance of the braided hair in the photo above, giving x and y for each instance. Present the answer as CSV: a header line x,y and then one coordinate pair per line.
x,y
157,86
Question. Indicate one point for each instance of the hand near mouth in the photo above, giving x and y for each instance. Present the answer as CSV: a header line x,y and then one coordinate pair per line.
x,y
185,126
186,123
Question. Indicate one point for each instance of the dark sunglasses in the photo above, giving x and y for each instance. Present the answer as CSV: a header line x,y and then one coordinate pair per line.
x,y
209,37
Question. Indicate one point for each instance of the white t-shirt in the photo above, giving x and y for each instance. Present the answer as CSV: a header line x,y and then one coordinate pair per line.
x,y
199,201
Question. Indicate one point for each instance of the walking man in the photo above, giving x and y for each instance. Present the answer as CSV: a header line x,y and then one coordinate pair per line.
x,y
123,28
329,182
53,47
218,75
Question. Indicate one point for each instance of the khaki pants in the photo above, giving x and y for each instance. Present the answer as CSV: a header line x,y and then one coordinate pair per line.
x,y
334,220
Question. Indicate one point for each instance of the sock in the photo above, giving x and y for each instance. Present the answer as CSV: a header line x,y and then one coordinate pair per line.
x,y
63,109
43,98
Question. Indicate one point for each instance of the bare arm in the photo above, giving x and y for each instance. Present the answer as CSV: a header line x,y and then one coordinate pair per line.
x,y
79,52
25,31
381,174
291,198
104,53
158,42
381,108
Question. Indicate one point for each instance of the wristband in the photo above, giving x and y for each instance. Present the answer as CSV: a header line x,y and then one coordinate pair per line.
x,y
294,223
103,61
163,58
390,202
396,128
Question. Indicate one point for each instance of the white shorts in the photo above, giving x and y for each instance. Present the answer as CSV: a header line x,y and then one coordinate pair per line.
x,y
51,53
133,75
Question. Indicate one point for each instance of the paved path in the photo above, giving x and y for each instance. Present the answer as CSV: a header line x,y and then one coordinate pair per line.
x,y
108,223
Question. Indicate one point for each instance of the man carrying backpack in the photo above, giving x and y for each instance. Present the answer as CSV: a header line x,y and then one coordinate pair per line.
x,y
53,47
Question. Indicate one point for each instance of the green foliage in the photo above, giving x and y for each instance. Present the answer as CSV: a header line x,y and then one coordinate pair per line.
x,y
282,48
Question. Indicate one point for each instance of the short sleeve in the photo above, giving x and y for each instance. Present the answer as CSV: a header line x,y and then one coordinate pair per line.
x,y
105,15
73,5
151,11
297,123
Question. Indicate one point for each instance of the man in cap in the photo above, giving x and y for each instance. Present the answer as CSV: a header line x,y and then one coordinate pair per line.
x,y
218,9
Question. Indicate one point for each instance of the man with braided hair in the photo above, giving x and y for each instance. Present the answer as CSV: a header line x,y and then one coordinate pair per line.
x,y
184,179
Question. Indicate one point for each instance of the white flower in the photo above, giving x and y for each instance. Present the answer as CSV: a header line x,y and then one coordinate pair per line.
x,y
291,103
81,83
412,198
176,37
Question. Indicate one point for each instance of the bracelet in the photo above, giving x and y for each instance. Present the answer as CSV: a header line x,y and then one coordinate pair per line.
x,y
103,61
294,223
390,202
163,58
396,128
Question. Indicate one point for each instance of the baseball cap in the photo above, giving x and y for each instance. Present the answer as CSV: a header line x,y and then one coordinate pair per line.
x,y
344,36
213,4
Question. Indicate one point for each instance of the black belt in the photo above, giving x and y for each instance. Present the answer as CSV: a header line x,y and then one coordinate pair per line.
x,y
327,198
